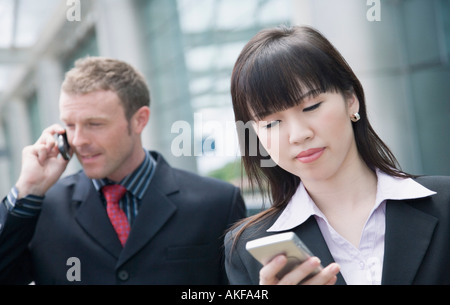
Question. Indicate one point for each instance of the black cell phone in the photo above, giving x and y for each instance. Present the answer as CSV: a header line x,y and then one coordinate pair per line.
x,y
63,146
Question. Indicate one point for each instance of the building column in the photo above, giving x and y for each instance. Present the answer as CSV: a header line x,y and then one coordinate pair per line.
x,y
374,51
5,182
121,33
118,36
18,134
49,77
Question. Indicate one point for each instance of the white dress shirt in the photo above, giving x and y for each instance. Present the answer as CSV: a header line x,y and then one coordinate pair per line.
x,y
362,265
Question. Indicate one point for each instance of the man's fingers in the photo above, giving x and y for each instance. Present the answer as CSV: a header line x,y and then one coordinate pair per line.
x,y
48,135
53,129
49,141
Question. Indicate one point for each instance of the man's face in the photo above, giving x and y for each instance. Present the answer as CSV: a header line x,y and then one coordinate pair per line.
x,y
100,135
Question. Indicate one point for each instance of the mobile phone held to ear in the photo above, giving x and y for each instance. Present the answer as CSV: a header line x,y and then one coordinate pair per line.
x,y
63,146
266,248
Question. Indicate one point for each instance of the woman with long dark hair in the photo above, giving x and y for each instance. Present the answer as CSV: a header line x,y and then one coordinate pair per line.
x,y
332,180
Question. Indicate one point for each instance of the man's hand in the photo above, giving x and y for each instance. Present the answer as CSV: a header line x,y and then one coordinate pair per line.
x,y
41,165
327,276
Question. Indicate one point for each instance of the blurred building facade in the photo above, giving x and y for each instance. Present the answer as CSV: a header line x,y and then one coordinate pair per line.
x,y
187,48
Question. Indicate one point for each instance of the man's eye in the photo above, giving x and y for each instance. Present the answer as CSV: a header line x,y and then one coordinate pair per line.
x,y
313,107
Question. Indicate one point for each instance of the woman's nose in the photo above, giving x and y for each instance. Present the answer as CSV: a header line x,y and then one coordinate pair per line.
x,y
299,132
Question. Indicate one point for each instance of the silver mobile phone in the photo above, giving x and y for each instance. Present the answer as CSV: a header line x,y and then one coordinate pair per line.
x,y
266,248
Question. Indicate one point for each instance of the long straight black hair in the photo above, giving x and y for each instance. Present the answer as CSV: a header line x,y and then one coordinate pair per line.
x,y
274,70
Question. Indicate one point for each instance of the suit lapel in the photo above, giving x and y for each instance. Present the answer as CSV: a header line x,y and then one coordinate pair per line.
x,y
309,233
92,217
155,210
408,235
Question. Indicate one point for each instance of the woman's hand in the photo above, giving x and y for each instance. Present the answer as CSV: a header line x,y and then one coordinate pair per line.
x,y
327,276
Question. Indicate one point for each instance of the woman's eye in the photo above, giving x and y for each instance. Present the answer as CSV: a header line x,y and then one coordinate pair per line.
x,y
272,124
313,107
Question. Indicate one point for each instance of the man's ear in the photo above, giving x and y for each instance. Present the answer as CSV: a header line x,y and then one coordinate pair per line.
x,y
140,119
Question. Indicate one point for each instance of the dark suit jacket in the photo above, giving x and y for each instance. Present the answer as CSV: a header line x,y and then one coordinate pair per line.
x,y
417,241
177,237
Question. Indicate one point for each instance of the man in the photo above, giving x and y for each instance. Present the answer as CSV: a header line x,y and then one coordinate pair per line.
x,y
63,231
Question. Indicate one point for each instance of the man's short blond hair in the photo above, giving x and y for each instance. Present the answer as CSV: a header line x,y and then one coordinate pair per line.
x,y
92,74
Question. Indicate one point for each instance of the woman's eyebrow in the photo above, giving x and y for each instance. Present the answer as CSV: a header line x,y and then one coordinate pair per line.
x,y
312,93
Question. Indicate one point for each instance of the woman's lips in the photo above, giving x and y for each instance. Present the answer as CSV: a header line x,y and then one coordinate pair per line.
x,y
310,155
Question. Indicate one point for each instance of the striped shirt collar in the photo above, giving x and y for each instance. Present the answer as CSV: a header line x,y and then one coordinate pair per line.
x,y
137,182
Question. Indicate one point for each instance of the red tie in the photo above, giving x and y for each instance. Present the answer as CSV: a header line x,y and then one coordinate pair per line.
x,y
117,216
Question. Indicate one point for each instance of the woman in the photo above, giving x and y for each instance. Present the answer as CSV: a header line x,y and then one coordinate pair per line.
x,y
333,182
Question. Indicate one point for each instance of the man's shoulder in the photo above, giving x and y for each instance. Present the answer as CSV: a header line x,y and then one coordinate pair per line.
x,y
66,183
191,179
71,179
194,178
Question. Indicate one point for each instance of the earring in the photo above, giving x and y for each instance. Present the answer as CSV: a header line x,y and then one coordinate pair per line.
x,y
355,117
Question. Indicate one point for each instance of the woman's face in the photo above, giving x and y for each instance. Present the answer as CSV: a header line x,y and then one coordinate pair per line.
x,y
313,140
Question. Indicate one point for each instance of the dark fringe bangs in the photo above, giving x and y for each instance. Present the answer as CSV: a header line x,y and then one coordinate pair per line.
x,y
280,77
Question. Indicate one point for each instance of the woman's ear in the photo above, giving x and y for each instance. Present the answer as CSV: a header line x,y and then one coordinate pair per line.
x,y
352,102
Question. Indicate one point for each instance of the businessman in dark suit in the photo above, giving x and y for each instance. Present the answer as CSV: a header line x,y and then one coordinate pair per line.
x,y
165,227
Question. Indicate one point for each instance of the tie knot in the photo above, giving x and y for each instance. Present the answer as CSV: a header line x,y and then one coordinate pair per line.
x,y
113,192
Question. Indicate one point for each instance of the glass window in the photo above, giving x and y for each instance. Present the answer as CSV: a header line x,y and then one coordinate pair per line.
x,y
87,47
34,117
200,40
